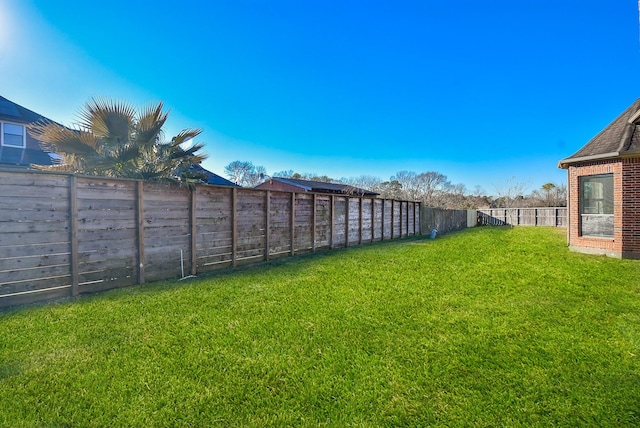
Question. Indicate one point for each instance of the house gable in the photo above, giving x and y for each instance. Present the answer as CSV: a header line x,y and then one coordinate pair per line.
x,y
621,138
15,156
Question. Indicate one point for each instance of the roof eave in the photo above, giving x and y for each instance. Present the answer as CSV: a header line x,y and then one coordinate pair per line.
x,y
564,163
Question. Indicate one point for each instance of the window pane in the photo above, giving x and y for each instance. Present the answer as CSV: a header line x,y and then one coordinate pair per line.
x,y
13,135
596,205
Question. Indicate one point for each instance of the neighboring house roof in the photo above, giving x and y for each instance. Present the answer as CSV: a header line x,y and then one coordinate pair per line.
x,y
212,178
318,187
14,156
32,153
16,113
621,138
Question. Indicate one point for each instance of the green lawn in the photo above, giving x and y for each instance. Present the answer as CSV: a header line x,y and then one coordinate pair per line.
x,y
487,327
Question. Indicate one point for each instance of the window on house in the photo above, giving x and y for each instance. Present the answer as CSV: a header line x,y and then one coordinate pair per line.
x,y
13,135
596,205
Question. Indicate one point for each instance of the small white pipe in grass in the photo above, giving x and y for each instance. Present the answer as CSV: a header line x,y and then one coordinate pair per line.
x,y
182,267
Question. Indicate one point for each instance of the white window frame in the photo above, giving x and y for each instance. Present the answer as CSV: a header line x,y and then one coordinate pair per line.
x,y
24,135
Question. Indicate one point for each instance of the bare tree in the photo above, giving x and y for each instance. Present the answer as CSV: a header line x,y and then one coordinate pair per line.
x,y
367,182
511,193
391,189
244,173
409,184
284,174
452,196
431,185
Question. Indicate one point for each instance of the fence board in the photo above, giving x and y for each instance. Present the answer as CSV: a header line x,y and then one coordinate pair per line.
x,y
24,262
303,232
25,252
323,222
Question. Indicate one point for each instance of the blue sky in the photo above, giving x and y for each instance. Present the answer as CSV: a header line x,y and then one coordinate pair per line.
x,y
485,92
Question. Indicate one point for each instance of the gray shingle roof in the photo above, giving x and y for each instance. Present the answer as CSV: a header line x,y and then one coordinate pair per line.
x,y
13,112
620,138
210,177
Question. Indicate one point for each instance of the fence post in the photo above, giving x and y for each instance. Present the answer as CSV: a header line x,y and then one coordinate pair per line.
x,y
267,225
360,221
140,227
194,255
373,219
393,215
315,220
73,231
332,217
346,221
415,225
293,223
234,225
400,219
384,205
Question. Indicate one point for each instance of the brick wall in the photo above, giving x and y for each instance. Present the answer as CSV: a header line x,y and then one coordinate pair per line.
x,y
631,208
610,246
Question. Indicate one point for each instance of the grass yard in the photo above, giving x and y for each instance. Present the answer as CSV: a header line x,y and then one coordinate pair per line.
x,y
487,327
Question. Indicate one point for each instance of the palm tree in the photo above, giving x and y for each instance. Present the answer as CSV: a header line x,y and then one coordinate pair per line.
x,y
111,139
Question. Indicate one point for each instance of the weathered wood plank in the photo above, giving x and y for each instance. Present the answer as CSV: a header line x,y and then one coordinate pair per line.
x,y
99,235
10,286
12,264
214,259
27,203
31,179
35,192
27,297
93,195
35,273
9,239
106,254
106,224
34,250
36,227
29,216
112,278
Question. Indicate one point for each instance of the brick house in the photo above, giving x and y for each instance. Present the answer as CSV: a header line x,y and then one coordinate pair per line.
x,y
604,190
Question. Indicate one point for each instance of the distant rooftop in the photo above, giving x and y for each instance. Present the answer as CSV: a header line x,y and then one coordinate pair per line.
x,y
320,187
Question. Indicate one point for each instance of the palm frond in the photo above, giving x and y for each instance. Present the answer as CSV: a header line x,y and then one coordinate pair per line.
x,y
150,123
185,135
61,140
111,121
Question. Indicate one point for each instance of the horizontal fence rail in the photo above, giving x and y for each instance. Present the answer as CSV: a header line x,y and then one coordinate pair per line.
x,y
63,235
544,216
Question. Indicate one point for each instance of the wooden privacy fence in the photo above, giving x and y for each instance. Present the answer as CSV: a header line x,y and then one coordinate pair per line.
x,y
445,220
552,216
63,235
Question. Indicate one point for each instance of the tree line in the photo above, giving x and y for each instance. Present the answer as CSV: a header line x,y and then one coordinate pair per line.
x,y
431,188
